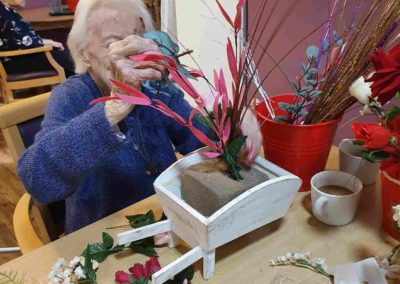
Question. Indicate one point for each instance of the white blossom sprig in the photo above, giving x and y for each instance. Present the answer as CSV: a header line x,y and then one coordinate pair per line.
x,y
317,265
73,273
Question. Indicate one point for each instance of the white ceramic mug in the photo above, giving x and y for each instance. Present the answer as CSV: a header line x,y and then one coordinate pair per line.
x,y
350,161
331,209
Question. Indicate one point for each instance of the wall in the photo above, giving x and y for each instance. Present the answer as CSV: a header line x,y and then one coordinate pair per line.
x,y
201,27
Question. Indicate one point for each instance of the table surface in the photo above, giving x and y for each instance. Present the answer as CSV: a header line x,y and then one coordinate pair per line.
x,y
41,14
244,260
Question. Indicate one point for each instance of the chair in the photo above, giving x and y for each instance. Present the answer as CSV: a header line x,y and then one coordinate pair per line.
x,y
34,224
10,82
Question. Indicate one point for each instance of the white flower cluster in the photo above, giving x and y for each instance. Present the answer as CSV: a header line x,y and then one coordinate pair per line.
x,y
396,215
61,273
302,259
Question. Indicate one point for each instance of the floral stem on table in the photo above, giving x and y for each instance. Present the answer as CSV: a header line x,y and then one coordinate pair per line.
x,y
303,260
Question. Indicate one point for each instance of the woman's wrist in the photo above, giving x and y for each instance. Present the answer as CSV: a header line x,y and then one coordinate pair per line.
x,y
116,111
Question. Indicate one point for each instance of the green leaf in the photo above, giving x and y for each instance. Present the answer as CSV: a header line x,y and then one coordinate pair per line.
x,y
295,86
140,220
303,67
201,119
281,118
166,44
108,241
398,95
358,143
186,274
163,217
236,145
393,113
375,156
315,93
88,268
145,247
312,51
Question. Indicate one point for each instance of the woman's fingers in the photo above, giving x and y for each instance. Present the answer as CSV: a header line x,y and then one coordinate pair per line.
x,y
132,45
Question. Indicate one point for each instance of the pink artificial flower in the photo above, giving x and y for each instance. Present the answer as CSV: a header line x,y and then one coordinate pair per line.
x,y
138,271
152,266
122,277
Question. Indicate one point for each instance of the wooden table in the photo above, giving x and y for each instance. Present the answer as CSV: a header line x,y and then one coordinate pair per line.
x,y
41,20
245,260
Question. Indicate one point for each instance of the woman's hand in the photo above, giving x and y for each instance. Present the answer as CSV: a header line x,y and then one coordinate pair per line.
x,y
54,44
132,73
129,72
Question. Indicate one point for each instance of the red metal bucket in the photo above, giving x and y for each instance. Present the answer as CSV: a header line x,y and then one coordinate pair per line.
x,y
390,198
300,149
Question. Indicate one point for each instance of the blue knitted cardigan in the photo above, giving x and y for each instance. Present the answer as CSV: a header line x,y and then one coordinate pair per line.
x,y
78,157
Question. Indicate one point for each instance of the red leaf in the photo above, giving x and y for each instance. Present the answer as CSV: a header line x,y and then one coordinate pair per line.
x,y
232,61
200,135
133,100
211,155
187,87
225,14
153,56
227,131
126,88
160,106
102,100
238,19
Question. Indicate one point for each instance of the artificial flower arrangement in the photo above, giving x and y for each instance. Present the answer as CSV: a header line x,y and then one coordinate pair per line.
x,y
381,140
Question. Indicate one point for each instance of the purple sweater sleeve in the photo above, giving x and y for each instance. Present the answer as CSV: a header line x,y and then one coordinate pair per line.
x,y
67,148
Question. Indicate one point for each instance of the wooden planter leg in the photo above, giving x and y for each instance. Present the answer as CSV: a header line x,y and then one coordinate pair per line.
x,y
173,240
144,232
208,264
169,271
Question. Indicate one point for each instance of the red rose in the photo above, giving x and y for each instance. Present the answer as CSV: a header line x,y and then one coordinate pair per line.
x,y
373,135
122,277
152,266
386,79
138,271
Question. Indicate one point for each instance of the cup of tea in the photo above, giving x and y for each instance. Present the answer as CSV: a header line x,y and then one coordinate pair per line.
x,y
350,161
335,196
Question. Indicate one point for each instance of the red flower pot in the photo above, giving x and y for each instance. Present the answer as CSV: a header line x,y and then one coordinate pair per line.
x,y
300,149
390,198
72,5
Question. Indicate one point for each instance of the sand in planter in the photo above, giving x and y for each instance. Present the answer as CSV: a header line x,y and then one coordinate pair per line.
x,y
207,187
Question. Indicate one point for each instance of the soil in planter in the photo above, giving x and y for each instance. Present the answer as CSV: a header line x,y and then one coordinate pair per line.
x,y
207,186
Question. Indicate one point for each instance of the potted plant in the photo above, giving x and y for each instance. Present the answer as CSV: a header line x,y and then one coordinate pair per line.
x,y
298,128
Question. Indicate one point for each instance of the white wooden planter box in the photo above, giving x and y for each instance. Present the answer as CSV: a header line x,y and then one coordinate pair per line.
x,y
252,209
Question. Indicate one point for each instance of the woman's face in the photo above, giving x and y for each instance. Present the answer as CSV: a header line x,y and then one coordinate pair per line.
x,y
110,23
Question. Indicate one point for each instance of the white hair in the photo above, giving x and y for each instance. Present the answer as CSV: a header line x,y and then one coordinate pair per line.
x,y
78,36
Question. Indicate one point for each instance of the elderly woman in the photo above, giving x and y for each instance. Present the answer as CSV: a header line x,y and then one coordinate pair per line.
x,y
105,157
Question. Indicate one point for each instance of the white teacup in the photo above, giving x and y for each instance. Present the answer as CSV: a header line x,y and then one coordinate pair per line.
x,y
350,161
333,209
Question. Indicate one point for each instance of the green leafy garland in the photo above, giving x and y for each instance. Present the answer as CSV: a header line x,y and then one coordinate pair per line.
x,y
100,251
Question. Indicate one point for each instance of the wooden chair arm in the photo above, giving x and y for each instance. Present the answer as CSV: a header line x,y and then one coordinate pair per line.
x,y
11,114
27,238
20,52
